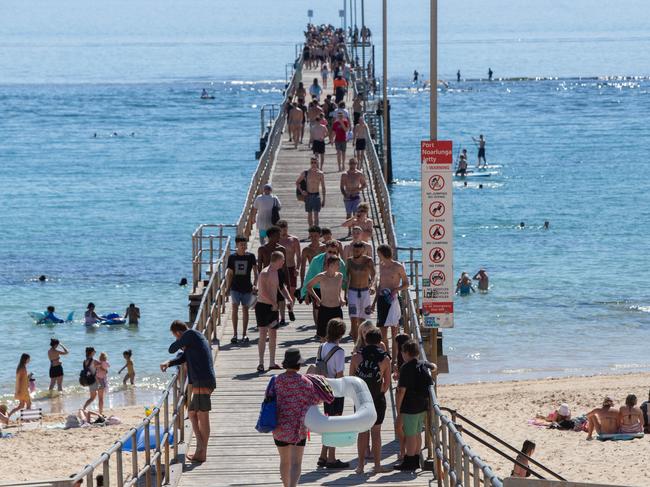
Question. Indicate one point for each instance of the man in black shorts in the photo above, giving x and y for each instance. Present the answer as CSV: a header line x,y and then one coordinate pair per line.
x,y
318,132
197,354
372,364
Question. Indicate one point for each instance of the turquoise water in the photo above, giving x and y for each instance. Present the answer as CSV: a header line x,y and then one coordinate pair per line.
x,y
109,218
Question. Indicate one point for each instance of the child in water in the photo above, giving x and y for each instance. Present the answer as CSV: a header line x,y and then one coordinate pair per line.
x,y
130,371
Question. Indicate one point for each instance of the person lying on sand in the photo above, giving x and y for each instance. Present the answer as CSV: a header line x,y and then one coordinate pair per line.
x,y
604,419
4,418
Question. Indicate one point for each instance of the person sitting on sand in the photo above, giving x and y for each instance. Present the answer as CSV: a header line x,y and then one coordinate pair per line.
x,y
630,417
4,417
604,419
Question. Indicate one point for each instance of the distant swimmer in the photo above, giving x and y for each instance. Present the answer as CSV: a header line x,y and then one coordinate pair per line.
x,y
483,280
42,278
547,224
183,281
522,225
458,75
461,168
205,95
480,186
490,73
464,285
132,314
416,75
90,317
481,150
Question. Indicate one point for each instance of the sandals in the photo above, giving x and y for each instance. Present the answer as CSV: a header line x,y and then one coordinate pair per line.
x,y
275,367
260,368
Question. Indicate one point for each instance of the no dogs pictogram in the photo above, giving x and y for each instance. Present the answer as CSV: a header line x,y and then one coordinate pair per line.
x,y
437,278
437,209
437,232
437,255
436,182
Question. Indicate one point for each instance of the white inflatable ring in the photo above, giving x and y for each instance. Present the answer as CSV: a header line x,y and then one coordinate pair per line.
x,y
343,430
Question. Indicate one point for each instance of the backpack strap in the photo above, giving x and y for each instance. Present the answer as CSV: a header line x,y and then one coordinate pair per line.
x,y
332,352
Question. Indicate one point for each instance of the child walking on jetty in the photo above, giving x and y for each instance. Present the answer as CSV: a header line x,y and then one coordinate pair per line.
x,y
130,371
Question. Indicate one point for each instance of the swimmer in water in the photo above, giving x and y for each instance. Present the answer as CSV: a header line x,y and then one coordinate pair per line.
x,y
90,317
464,285
547,224
483,280
522,225
42,278
50,317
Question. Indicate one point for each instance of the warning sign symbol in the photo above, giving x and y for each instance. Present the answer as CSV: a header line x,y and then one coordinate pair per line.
x,y
437,255
437,209
437,278
437,232
436,182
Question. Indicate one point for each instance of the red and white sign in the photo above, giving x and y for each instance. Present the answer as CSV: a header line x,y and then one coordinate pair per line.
x,y
437,234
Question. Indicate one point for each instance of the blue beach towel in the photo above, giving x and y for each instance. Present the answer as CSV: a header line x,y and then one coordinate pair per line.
x,y
128,446
619,436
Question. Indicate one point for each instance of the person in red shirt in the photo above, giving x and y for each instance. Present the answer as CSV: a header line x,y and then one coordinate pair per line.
x,y
339,136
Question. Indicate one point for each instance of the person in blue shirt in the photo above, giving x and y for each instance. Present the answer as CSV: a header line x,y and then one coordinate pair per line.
x,y
197,354
50,317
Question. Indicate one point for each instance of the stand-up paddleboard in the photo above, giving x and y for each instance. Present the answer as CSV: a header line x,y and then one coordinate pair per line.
x,y
474,174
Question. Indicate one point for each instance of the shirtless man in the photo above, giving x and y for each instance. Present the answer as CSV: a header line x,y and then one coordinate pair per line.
x,y
483,281
266,309
352,184
315,179
132,314
360,284
292,248
604,420
357,235
310,251
392,280
361,220
313,112
264,259
331,298
295,123
318,131
481,150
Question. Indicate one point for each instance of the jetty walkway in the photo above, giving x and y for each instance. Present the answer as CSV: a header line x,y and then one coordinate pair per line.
x,y
237,454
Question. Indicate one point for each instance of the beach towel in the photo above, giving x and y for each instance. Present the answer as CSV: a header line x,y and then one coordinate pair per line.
x,y
128,446
619,436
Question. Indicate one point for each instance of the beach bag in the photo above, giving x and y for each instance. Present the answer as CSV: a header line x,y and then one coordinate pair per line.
x,y
86,377
321,363
268,418
275,211
302,187
369,369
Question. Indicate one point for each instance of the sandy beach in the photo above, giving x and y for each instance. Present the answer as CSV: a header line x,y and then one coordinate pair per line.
x,y
51,452
504,408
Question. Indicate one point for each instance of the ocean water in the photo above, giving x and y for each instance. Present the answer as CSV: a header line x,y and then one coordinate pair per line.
x,y
109,218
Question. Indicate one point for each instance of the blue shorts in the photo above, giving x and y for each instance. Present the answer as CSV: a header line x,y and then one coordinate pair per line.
x,y
312,202
262,234
352,204
237,298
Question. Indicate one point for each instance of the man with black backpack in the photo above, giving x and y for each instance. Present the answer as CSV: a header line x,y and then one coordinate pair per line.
x,y
372,364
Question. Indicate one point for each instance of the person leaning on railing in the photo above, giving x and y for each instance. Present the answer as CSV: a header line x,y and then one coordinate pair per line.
x,y
197,354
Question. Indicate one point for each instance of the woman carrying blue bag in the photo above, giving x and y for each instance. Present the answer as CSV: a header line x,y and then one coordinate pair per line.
x,y
294,394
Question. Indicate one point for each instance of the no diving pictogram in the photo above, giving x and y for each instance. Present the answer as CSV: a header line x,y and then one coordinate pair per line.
x,y
437,232
437,209
436,255
437,278
436,182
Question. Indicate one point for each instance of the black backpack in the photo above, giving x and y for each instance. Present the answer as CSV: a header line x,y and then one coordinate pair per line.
x,y
275,211
369,369
302,187
86,376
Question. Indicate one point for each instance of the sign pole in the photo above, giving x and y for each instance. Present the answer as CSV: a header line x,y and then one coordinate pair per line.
x,y
433,127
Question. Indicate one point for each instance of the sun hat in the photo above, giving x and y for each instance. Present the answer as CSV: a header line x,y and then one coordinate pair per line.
x,y
564,410
292,359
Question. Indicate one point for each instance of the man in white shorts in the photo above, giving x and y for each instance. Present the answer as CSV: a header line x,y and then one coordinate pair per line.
x,y
361,283
392,280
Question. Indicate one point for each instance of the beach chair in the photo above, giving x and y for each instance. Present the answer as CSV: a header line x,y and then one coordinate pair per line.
x,y
30,418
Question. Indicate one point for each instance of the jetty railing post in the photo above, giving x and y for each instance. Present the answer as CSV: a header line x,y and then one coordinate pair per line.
x,y
176,414
147,453
134,453
166,425
158,452
106,472
119,468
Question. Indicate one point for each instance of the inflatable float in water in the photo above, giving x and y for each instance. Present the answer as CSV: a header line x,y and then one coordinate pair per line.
x,y
343,430
44,318
112,319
